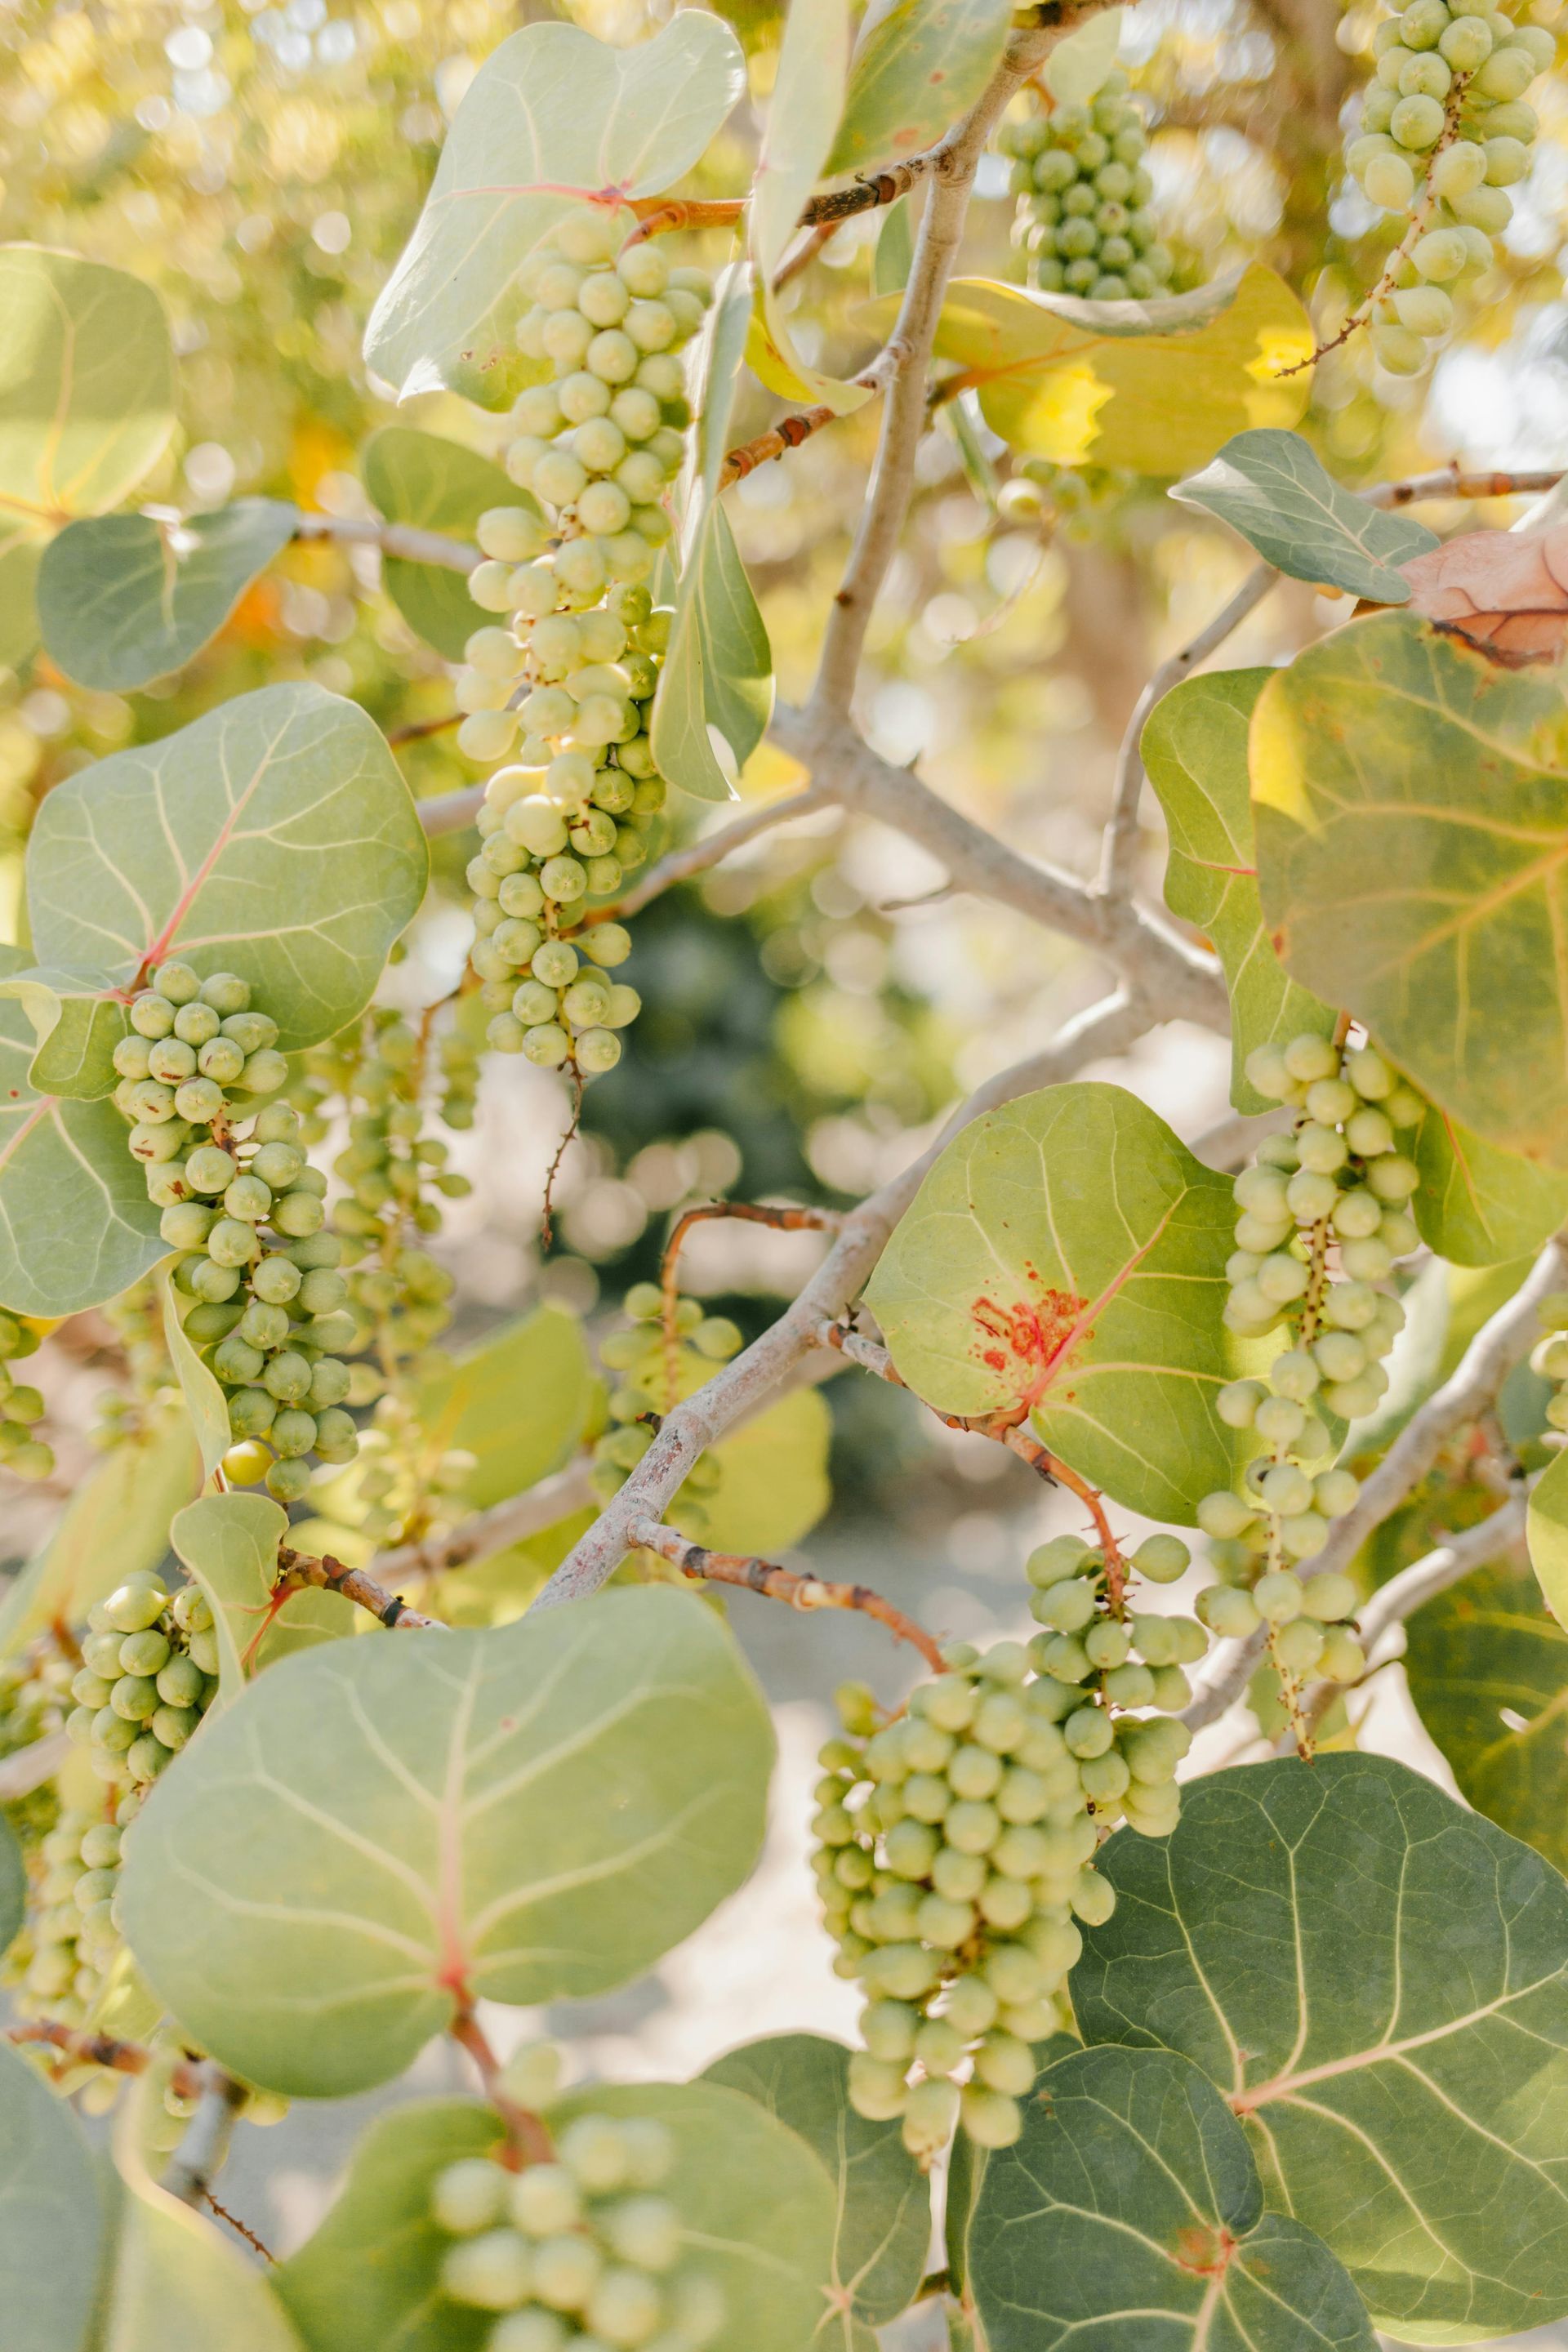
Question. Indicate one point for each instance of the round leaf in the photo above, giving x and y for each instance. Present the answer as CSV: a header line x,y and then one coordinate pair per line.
x,y
518,1401
274,837
1547,1531
550,110
87,384
1068,1254
883,2197
1377,1980
1476,1206
228,1543
127,598
919,65
381,1828
1131,2213
51,2216
433,485
1412,815
12,1885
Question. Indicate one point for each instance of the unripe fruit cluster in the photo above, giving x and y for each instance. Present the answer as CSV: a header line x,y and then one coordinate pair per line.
x,y
398,1489
69,1938
21,1406
573,655
588,2248
1083,198
655,1369
148,1672
35,1694
1323,1217
247,1216
956,1842
1445,134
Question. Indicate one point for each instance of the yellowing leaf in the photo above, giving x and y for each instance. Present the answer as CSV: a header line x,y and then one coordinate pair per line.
x,y
1082,64
1154,387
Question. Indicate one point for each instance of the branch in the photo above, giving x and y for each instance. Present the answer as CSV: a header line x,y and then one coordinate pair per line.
x,y
330,1575
199,2157
28,1768
491,1531
1108,1027
104,2050
710,850
1230,1671
1450,482
1122,834
784,1584
1180,980
398,539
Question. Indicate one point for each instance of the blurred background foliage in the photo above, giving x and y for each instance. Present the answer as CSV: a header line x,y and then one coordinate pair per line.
x,y
815,1005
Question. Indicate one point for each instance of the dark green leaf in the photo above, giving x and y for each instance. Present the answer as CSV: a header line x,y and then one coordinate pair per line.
x,y
124,599
1269,486
1476,1206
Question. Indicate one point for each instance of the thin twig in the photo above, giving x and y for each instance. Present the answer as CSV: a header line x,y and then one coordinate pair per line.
x,y
105,2049
395,539
330,1575
241,2229
1452,481
487,1532
419,729
451,811
775,1584
199,2157
791,431
784,1217
710,850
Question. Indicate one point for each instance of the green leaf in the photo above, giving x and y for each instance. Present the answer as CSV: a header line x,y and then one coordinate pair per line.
x,y
1547,1534
1411,802
895,249
1078,68
180,2286
228,1543
1131,2213
920,64
773,1485
1154,387
1377,1980
966,2167
76,1224
883,2198
382,1826
1488,1669
1479,1206
550,110
497,1591
1269,486
1195,750
274,837
757,2204
124,599
87,384
12,1885
116,1522
204,1400
433,485
518,1400
1068,1254
20,553
51,2216
78,1024
367,2278
717,678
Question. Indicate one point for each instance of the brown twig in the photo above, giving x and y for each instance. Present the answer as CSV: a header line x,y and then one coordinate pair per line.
x,y
528,2140
573,1077
751,1213
791,431
240,2229
805,254
775,1584
105,2050
662,215
329,1575
419,729
1453,481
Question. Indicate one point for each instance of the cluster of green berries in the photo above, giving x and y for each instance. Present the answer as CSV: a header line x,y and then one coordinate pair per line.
x,y
148,1672
70,1932
573,658
656,1368
401,1491
247,1216
1323,1217
956,1847
1309,1634
1550,1355
34,1694
21,1406
1083,194
586,2250
395,1176
1445,134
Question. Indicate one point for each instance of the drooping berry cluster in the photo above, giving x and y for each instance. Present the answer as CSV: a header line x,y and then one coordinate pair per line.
x,y
21,1406
148,1674
1083,194
246,1213
1323,1217
1445,134
586,2250
35,1685
575,661
956,1842
656,1369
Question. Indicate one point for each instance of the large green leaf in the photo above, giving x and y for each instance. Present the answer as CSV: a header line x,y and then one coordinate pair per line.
x,y
918,65
1195,749
87,404
274,837
51,2215
78,1022
1068,1254
1131,2214
180,2286
518,1401
717,677
1546,1522
1488,1669
883,2195
116,1522
228,1543
1269,486
76,1224
1476,1205
1411,802
773,1485
381,1827
1155,386
552,116
757,2206
435,485
966,2169
1377,1980
123,599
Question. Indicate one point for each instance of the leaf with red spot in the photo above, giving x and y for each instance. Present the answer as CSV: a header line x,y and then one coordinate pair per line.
x,y
1065,1258
1131,2214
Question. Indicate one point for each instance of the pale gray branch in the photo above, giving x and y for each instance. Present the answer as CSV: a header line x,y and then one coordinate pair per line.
x,y
1108,1027
28,1768
710,849
1401,1597
487,1532
1229,1671
397,539
451,811
199,2157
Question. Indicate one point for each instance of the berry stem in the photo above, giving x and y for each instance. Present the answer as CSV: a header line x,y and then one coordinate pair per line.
x,y
775,1584
528,2141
